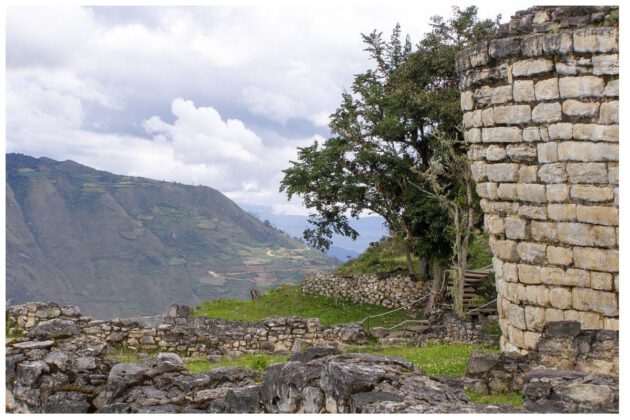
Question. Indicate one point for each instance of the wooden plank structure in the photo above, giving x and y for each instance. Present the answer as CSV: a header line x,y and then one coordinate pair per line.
x,y
472,278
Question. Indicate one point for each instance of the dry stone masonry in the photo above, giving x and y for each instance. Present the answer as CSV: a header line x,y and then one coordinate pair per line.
x,y
541,115
389,292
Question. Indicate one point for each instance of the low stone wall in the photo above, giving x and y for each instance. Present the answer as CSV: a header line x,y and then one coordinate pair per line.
x,y
189,335
570,370
447,330
390,292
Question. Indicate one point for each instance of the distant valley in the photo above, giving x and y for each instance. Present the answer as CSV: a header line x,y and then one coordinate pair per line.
x,y
122,246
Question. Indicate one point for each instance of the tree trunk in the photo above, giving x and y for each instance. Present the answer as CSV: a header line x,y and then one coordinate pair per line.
x,y
422,269
436,287
409,260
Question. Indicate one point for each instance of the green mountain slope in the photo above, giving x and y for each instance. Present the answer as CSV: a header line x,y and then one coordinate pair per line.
x,y
125,246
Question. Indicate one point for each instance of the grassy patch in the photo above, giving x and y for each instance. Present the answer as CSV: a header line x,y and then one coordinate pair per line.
x,y
513,399
387,256
258,362
124,355
439,359
288,300
174,261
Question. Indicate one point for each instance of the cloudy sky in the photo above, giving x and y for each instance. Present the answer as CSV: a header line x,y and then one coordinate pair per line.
x,y
214,95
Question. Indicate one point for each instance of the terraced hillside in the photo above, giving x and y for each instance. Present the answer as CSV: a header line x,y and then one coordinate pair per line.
x,y
125,246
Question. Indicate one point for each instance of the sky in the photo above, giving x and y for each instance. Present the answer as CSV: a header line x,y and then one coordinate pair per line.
x,y
220,96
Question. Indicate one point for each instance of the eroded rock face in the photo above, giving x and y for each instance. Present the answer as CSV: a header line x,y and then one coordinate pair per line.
x,y
356,383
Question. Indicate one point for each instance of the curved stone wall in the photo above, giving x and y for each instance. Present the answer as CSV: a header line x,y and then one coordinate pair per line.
x,y
541,114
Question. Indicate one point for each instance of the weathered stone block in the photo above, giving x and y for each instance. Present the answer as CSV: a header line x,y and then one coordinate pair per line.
x,y
466,101
613,174
552,173
532,46
601,281
495,153
494,224
597,259
533,193
560,297
547,152
534,318
473,135
529,274
560,131
611,324
596,132
605,236
604,39
581,86
507,192
591,194
605,64
487,117
609,113
533,212
523,91
504,47
515,314
552,275
538,295
531,339
531,252
562,212
554,315
588,152
516,336
527,174
574,108
516,228
599,215
531,134
478,170
594,300
510,272
487,190
547,89
521,152
531,66
560,43
575,233
501,135
512,114
557,193
612,88
547,112
505,250
472,119
587,173
574,277
544,231
502,172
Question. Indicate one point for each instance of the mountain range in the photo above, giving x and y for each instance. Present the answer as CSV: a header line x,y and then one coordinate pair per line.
x,y
121,246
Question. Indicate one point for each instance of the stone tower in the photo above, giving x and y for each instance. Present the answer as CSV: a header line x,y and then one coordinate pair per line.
x,y
541,115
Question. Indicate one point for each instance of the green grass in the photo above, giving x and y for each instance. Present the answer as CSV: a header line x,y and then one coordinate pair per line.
x,y
258,362
386,257
438,359
124,355
288,300
513,399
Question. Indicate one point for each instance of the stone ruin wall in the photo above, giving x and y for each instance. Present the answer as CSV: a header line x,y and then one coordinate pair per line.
x,y
541,115
389,292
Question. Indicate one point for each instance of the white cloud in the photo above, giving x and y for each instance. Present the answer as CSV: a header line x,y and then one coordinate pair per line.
x,y
96,84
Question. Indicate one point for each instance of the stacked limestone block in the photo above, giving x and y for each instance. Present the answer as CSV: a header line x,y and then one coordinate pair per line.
x,y
541,115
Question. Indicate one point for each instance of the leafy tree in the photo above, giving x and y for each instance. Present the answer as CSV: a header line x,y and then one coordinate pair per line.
x,y
383,141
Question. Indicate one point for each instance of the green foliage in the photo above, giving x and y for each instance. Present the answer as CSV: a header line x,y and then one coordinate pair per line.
x,y
385,257
175,261
382,132
437,359
479,252
614,17
513,399
553,29
288,300
124,355
258,362
492,328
